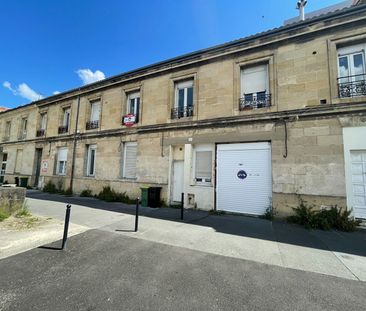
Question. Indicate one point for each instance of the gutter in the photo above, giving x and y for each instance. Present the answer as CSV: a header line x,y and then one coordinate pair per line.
x,y
75,137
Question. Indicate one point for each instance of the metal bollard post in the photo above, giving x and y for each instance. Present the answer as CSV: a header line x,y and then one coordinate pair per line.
x,y
66,226
137,215
182,207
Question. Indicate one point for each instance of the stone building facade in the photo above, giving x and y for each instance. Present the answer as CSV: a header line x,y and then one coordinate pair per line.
x,y
237,127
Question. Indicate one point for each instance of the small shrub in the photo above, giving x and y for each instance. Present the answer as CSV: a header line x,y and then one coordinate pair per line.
x,y
326,219
86,193
269,213
109,195
50,187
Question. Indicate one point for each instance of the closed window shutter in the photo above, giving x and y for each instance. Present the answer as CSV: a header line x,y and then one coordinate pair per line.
x,y
130,157
254,79
62,154
19,161
203,164
95,111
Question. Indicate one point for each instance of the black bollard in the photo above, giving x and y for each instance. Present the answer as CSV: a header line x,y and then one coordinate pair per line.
x,y
66,226
137,215
182,207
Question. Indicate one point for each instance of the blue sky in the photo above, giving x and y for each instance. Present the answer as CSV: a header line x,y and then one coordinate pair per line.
x,y
53,46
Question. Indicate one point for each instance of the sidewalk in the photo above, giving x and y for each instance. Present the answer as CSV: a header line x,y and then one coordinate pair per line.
x,y
276,243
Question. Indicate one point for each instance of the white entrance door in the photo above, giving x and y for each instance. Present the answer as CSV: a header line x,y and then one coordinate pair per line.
x,y
244,178
178,179
358,159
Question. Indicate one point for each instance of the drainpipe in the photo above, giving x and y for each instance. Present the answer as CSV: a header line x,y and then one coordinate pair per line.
x,y
76,133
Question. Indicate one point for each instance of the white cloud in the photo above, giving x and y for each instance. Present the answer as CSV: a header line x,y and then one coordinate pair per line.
x,y
88,76
23,90
7,85
56,92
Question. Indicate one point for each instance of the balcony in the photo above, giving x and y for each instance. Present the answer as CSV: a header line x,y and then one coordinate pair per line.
x,y
91,125
182,112
62,129
352,86
40,133
254,101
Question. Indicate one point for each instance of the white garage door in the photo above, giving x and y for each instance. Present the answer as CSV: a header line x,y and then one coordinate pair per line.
x,y
244,178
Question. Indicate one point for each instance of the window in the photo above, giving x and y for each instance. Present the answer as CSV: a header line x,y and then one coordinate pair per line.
x,y
61,161
42,125
133,104
43,122
23,128
93,123
18,161
183,106
64,128
254,87
129,160
90,163
203,166
7,130
351,71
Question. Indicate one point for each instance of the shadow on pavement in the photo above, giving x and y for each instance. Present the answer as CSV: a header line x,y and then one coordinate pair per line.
x,y
282,232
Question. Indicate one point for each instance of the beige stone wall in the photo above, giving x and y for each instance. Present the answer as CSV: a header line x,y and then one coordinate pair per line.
x,y
302,71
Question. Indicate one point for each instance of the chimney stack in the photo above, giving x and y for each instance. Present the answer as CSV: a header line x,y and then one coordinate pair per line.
x,y
301,7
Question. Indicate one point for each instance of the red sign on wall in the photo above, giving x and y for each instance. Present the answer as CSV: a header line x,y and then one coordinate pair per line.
x,y
129,120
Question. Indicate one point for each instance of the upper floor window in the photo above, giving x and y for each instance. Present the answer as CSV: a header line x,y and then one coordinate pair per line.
x,y
351,71
7,130
23,128
133,105
90,161
183,102
254,85
61,161
42,125
129,160
93,122
65,121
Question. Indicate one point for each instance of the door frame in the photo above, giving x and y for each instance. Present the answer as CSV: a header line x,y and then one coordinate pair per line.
x,y
172,183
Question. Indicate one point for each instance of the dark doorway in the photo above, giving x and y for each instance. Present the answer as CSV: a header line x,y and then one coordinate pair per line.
x,y
38,160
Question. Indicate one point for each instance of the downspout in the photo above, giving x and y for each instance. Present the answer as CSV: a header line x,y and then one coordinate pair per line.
x,y
74,147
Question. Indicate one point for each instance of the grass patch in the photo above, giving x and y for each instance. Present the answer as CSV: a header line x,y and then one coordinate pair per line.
x,y
4,215
50,187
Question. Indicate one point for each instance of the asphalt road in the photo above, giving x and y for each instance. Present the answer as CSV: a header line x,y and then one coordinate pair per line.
x,y
103,270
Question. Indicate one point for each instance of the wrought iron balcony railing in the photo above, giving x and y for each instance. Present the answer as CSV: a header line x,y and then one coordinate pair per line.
x,y
62,129
90,125
352,86
40,133
181,112
255,101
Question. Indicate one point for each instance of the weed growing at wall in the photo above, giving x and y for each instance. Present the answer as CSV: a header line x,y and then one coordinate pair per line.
x,y
326,219
109,195
86,193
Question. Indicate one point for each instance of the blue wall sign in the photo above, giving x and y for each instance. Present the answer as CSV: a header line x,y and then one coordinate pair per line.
x,y
242,174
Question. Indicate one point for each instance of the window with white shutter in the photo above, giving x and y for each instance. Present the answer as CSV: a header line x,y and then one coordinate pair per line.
x,y
19,161
95,111
203,164
129,160
61,161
